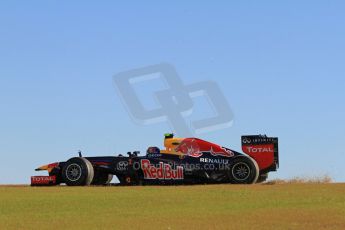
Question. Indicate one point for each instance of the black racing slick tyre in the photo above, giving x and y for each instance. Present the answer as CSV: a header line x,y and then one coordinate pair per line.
x,y
262,178
243,170
102,178
78,171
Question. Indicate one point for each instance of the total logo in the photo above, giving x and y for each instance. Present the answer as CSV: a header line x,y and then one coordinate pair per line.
x,y
43,179
259,149
162,172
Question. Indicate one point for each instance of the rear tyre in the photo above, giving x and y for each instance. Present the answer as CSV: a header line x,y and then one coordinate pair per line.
x,y
78,171
101,178
243,170
262,178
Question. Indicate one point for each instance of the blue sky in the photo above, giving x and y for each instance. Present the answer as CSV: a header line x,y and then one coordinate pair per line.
x,y
279,64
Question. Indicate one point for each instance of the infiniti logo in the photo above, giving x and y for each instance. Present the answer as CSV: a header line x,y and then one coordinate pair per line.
x,y
246,141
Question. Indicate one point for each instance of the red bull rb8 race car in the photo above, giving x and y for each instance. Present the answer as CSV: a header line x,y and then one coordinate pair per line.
x,y
182,161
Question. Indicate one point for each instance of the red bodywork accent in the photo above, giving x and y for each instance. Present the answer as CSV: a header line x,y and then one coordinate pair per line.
x,y
263,154
100,163
43,180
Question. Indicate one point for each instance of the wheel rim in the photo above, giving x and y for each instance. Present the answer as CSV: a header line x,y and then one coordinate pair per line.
x,y
73,172
241,171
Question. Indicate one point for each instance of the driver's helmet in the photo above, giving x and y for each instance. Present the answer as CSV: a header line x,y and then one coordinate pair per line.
x,y
153,150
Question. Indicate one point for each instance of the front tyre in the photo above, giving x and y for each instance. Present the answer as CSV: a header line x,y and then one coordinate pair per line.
x,y
243,170
78,171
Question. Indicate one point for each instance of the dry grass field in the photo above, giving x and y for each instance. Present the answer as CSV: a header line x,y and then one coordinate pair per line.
x,y
272,206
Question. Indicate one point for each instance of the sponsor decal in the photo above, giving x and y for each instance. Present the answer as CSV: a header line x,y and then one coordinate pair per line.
x,y
225,152
258,140
246,141
122,165
196,148
43,180
192,152
263,149
154,155
214,161
190,147
162,172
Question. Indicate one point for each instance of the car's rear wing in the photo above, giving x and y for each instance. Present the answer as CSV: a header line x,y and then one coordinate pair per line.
x,y
263,149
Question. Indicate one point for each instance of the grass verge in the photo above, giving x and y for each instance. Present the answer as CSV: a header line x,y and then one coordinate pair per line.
x,y
279,206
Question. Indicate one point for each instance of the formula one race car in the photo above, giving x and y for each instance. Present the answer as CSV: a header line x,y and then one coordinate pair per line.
x,y
183,161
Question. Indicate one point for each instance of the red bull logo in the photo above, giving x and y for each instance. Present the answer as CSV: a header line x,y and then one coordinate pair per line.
x,y
224,152
196,148
162,172
190,147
